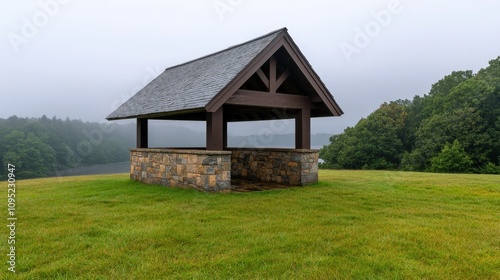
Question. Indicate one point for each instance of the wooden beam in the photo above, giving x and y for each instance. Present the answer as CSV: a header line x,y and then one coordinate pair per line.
x,y
246,74
303,129
215,130
267,100
283,78
311,76
263,77
142,133
224,133
273,87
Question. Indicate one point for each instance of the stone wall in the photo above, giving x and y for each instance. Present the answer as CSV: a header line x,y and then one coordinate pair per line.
x,y
208,171
285,166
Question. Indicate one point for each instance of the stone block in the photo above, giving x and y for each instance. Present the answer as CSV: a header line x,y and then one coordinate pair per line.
x,y
212,181
226,176
190,181
193,159
208,170
314,168
210,160
199,181
201,158
295,157
166,160
192,168
309,179
224,186
295,180
180,160
180,168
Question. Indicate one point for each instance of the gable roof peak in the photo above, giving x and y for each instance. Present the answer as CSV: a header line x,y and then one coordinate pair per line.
x,y
273,33
203,84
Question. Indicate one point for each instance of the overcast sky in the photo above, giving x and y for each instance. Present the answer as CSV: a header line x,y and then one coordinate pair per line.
x,y
81,59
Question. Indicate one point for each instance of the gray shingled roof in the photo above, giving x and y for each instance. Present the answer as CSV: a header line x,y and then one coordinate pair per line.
x,y
192,85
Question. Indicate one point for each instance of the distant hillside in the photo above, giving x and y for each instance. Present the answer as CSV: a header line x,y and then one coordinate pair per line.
x,y
276,141
41,147
161,135
455,128
44,146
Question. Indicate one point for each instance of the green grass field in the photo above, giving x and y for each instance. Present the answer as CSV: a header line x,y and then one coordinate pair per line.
x,y
352,225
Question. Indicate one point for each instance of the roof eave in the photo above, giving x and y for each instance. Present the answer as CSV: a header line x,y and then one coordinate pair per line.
x,y
160,115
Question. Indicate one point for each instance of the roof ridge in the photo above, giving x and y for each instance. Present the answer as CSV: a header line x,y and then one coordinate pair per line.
x,y
229,48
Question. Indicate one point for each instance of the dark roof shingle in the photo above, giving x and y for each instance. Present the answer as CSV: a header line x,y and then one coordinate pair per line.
x,y
192,85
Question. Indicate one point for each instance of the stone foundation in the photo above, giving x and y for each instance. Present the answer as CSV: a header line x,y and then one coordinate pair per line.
x,y
211,171
284,166
208,171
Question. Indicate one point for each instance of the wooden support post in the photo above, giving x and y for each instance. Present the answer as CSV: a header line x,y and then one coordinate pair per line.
x,y
215,130
142,133
224,133
303,129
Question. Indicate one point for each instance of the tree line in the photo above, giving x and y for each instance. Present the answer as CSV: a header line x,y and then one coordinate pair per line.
x,y
41,147
454,128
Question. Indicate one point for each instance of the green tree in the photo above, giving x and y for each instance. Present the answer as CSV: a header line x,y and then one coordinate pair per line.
x,y
462,106
451,159
491,109
464,125
47,146
434,102
374,143
31,156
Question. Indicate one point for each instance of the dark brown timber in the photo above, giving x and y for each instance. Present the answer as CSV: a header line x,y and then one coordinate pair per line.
x,y
142,133
303,129
215,130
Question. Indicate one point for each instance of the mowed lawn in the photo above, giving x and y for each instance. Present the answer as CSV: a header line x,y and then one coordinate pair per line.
x,y
352,225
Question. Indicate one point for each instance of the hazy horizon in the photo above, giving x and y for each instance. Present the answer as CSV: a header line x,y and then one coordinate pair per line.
x,y
82,59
